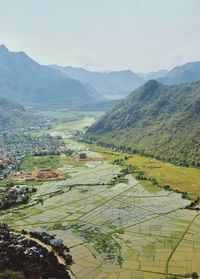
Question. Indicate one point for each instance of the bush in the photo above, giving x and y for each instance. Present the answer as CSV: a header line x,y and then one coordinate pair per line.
x,y
10,183
9,274
57,226
154,181
194,275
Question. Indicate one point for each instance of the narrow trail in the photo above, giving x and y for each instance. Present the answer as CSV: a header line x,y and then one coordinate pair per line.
x,y
60,259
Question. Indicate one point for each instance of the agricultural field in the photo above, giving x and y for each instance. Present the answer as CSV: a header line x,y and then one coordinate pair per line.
x,y
68,115
43,162
181,178
115,226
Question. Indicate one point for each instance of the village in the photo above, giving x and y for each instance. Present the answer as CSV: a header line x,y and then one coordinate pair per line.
x,y
18,143
15,145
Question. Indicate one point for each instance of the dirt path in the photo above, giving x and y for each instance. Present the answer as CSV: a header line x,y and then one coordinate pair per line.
x,y
60,259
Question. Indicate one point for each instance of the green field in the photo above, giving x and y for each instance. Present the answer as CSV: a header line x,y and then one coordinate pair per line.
x,y
180,178
69,115
44,162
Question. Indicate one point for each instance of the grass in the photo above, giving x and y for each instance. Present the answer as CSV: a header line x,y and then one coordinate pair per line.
x,y
43,162
180,178
69,115
72,126
103,243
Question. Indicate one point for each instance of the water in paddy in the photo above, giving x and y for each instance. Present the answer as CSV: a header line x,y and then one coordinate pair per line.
x,y
121,231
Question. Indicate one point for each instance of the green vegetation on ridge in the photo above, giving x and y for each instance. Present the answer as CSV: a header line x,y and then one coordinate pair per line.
x,y
155,120
12,114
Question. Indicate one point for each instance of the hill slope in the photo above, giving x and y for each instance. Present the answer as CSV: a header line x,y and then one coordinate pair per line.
x,y
12,114
113,84
28,82
156,120
185,73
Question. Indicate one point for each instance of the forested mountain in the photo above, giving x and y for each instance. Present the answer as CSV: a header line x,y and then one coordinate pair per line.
x,y
12,114
28,82
112,84
156,120
185,73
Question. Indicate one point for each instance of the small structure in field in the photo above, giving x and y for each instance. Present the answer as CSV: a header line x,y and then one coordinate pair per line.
x,y
82,156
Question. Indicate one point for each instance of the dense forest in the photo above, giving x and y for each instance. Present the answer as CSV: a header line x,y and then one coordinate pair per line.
x,y
155,120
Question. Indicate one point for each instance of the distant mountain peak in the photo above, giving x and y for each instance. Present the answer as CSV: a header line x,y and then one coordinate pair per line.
x,y
152,82
153,75
151,85
2,46
187,72
112,84
26,81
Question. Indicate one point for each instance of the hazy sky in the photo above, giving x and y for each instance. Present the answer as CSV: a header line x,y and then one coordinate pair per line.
x,y
142,35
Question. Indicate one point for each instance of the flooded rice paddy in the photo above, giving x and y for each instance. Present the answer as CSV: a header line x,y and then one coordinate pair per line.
x,y
113,231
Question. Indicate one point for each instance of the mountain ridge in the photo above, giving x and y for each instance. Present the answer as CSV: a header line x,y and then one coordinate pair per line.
x,y
109,84
153,75
187,72
26,81
13,114
155,120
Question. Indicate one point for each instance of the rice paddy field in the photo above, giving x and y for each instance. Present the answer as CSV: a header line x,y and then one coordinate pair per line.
x,y
181,178
117,230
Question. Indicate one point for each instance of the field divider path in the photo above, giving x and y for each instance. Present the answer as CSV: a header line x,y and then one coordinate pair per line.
x,y
60,259
176,246
104,202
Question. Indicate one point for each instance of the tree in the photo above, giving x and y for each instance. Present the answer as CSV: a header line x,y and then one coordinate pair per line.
x,y
194,275
9,274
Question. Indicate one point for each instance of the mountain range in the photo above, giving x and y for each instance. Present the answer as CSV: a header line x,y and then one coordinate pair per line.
x,y
116,84
153,75
26,81
188,72
157,120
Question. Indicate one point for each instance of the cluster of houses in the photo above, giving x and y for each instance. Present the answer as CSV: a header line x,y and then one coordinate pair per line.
x,y
15,195
19,252
15,145
5,164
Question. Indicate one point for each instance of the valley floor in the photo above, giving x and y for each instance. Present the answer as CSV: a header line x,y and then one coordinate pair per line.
x,y
115,228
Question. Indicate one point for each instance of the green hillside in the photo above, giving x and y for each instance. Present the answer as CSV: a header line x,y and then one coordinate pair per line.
x,y
155,120
12,114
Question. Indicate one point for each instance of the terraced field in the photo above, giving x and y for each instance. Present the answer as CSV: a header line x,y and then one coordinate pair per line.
x,y
117,230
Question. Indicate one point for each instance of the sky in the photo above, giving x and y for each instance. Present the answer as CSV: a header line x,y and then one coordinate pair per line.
x,y
104,35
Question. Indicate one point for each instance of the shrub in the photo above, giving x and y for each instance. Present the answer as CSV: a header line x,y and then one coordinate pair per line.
x,y
9,274
194,275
